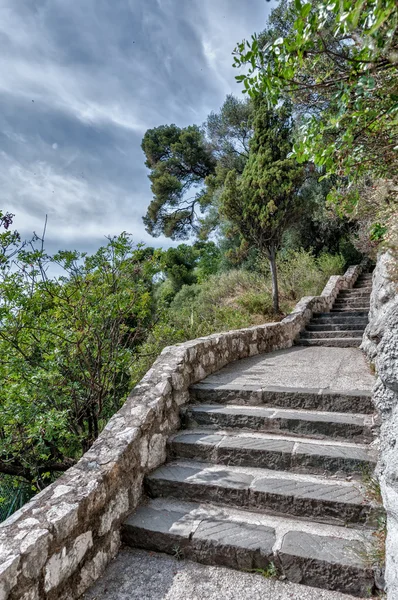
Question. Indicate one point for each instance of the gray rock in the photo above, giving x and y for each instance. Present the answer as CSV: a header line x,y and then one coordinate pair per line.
x,y
381,345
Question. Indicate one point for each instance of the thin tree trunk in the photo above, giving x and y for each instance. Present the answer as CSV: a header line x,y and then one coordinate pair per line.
x,y
274,276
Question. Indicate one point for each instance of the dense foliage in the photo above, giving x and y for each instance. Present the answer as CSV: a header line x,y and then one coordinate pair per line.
x,y
66,346
337,61
179,161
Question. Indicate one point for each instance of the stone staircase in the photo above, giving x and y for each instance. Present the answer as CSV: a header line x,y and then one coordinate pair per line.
x,y
344,325
269,479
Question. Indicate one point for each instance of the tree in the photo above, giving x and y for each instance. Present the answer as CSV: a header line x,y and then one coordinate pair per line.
x,y
189,166
265,200
337,61
180,160
66,351
229,132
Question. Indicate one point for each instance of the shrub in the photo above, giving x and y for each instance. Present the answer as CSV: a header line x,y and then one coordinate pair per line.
x,y
303,274
66,350
257,303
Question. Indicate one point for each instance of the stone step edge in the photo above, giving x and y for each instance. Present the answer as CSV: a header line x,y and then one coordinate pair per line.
x,y
331,342
246,488
329,327
320,424
354,315
331,333
322,399
272,451
195,532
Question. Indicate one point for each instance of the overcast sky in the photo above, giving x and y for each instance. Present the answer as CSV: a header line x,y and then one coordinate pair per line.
x,y
80,83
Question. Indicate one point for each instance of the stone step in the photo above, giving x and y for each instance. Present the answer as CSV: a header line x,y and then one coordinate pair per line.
x,y
368,291
351,305
354,293
323,500
365,277
363,283
335,333
340,321
329,327
362,301
363,286
305,423
356,311
323,556
270,451
352,315
340,342
358,401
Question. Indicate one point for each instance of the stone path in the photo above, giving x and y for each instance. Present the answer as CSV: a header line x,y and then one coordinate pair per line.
x,y
140,575
267,472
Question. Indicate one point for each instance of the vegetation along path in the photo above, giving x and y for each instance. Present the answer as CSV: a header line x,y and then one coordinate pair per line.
x,y
269,471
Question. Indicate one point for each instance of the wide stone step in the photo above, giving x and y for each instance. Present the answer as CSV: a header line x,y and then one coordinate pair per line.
x,y
329,327
340,342
319,555
354,293
335,333
357,314
363,287
343,321
305,423
357,311
359,401
269,451
323,500
367,278
362,301
349,311
351,305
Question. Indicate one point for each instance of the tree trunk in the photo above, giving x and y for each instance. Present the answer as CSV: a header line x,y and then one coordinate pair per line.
x,y
274,276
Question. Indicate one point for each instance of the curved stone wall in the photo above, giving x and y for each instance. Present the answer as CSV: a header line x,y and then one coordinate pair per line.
x,y
381,346
60,542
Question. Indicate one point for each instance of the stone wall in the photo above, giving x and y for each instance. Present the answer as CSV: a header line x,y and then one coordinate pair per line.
x,y
381,346
60,542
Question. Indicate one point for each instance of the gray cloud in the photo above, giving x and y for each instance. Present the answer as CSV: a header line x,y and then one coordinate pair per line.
x,y
80,84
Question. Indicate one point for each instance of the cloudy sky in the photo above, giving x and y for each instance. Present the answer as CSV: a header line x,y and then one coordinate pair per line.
x,y
80,83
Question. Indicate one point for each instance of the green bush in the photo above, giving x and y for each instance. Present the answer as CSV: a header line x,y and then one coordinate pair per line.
x,y
66,350
330,264
256,303
303,274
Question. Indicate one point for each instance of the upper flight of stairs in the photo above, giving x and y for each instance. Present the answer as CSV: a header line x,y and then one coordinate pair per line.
x,y
276,479
344,325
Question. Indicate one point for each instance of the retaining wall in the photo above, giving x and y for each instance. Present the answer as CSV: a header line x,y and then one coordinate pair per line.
x,y
58,544
381,345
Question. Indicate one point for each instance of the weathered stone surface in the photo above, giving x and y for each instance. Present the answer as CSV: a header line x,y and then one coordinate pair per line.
x,y
324,562
329,557
64,563
381,345
338,342
355,333
272,452
314,326
283,493
314,424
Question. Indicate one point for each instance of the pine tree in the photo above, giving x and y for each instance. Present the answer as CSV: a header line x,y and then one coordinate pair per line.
x,y
265,201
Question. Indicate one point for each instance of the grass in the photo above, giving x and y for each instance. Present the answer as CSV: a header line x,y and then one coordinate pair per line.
x,y
269,573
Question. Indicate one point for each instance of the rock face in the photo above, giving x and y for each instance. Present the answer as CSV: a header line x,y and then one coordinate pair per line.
x,y
381,346
60,542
